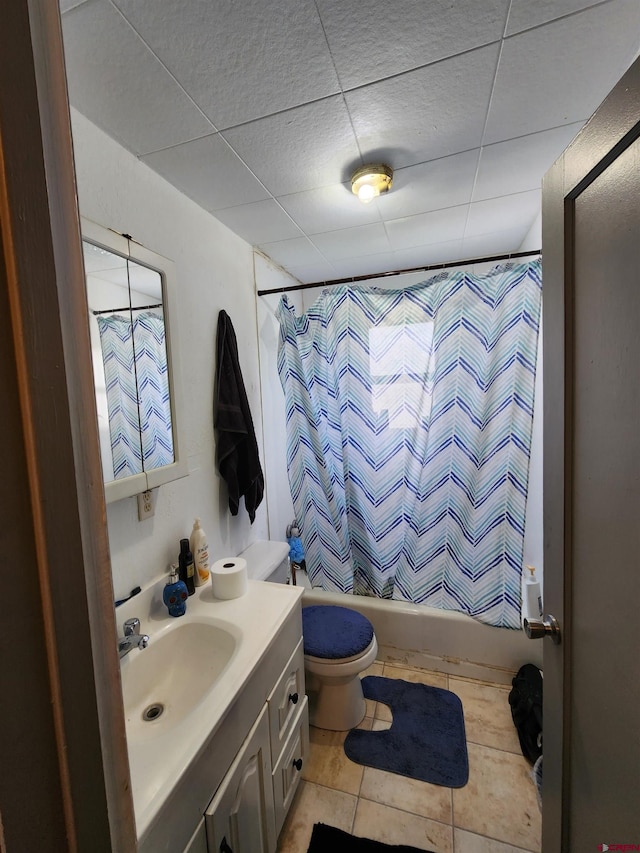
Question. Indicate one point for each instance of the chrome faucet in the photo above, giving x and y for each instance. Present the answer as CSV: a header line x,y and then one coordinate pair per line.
x,y
132,639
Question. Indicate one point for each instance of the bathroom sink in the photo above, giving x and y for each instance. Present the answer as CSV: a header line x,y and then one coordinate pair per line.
x,y
163,683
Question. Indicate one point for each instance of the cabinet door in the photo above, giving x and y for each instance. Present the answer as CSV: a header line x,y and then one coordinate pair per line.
x,y
240,818
285,701
286,772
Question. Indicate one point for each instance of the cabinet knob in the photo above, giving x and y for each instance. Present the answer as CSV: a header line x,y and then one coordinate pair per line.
x,y
298,764
293,697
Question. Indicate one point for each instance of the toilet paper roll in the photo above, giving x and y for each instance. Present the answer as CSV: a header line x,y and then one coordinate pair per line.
x,y
229,577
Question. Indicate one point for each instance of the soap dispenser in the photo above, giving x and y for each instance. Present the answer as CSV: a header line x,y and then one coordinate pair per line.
x,y
533,595
175,594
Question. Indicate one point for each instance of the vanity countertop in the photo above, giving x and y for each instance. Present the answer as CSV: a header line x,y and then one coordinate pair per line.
x,y
159,761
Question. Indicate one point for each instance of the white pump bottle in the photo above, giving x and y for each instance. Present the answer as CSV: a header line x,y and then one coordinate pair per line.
x,y
533,595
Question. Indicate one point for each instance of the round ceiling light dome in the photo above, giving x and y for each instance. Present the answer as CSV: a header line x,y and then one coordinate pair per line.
x,y
371,180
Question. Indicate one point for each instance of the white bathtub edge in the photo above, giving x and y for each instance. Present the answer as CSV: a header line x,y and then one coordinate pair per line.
x,y
441,640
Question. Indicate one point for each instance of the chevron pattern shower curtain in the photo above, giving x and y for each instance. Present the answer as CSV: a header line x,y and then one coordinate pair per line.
x,y
409,416
136,373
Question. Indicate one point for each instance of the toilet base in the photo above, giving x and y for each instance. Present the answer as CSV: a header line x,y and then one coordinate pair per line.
x,y
336,706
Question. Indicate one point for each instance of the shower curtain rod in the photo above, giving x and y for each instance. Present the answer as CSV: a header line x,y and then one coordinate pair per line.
x,y
430,268
126,308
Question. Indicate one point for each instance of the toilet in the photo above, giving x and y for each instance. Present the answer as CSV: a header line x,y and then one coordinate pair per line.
x,y
267,561
339,644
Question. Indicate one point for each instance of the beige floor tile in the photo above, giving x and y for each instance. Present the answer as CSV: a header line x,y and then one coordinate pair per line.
x,y
410,795
314,804
467,842
499,800
381,725
488,682
487,714
417,676
393,826
327,763
376,668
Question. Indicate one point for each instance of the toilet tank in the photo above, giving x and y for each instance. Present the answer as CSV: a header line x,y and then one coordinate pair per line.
x,y
267,561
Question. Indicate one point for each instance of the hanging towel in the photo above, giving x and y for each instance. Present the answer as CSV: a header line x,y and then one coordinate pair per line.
x,y
237,448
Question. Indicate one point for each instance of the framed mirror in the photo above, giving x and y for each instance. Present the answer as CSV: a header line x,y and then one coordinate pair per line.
x,y
137,376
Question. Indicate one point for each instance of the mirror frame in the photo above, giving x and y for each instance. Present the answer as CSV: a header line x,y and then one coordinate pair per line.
x,y
127,487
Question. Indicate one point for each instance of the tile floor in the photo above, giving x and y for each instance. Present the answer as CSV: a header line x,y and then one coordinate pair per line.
x,y
496,811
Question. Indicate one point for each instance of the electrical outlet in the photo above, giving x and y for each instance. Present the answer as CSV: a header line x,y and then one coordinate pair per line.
x,y
146,505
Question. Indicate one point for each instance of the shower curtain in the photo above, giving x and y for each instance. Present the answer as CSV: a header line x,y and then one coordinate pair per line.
x,y
135,366
409,416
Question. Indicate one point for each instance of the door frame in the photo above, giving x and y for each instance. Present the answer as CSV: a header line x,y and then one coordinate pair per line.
x,y
609,131
66,756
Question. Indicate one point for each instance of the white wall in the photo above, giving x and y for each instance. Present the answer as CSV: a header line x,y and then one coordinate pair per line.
x,y
214,270
269,276
273,413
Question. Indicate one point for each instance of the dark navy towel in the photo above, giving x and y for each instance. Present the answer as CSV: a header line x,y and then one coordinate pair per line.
x,y
236,445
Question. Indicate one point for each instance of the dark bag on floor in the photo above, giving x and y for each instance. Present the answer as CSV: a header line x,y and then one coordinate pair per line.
x,y
525,699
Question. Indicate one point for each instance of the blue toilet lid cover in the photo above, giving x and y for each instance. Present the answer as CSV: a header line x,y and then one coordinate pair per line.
x,y
334,632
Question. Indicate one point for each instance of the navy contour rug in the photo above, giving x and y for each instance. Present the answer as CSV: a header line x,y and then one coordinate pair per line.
x,y
426,740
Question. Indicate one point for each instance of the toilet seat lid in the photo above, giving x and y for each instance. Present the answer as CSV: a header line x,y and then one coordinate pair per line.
x,y
331,632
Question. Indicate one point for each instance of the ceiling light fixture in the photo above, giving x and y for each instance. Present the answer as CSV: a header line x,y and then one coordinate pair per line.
x,y
369,181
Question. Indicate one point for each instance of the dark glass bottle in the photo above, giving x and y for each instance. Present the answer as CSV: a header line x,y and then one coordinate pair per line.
x,y
187,566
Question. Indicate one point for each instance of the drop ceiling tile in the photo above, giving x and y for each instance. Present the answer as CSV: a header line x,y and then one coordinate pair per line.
x,y
498,243
299,251
65,5
239,61
329,209
425,229
446,182
352,242
425,114
298,150
438,253
520,164
524,14
117,83
419,33
366,265
309,273
260,222
501,214
209,172
559,73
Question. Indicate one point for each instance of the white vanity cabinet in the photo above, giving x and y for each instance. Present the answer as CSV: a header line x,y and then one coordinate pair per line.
x,y
225,778
198,843
289,733
249,808
240,818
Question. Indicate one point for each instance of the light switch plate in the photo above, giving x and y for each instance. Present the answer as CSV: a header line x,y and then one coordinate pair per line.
x,y
146,504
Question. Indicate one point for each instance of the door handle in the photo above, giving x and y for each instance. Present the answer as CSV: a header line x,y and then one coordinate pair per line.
x,y
545,627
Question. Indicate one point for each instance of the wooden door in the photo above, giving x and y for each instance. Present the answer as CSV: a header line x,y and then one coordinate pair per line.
x,y
591,281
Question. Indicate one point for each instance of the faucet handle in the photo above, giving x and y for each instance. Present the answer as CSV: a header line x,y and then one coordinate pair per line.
x,y
131,626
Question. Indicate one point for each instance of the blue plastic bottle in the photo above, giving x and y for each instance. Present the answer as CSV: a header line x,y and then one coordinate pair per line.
x,y
175,594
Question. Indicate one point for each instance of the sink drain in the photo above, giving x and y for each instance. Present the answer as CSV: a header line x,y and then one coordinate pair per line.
x,y
153,712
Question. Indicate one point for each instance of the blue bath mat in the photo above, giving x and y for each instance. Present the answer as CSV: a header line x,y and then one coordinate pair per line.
x,y
426,740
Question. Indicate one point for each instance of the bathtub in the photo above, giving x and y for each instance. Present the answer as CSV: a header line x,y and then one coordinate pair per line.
x,y
440,640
